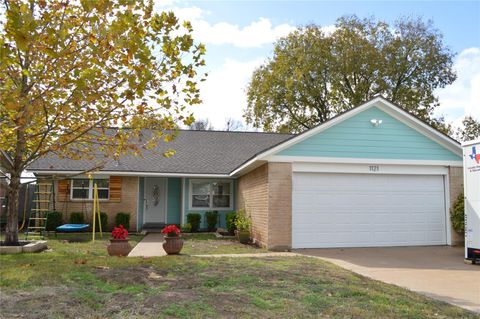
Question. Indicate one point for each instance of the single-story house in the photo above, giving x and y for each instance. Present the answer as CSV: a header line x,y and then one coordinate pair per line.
x,y
373,176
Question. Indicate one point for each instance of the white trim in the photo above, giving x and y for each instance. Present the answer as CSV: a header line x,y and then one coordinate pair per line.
x,y
369,168
400,115
469,143
139,174
313,159
247,167
448,223
190,193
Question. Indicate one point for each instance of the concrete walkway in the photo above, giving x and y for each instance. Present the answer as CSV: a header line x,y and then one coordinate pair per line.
x,y
438,272
149,246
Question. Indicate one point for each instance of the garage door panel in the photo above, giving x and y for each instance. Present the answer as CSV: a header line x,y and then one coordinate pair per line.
x,y
357,210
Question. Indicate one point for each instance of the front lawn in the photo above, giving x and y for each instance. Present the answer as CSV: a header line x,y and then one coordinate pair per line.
x,y
207,244
77,279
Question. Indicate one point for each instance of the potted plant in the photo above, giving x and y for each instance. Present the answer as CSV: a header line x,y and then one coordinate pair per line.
x,y
173,242
243,222
119,245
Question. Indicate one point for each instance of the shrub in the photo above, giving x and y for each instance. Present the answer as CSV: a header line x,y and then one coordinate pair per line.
x,y
186,228
194,220
243,221
54,220
230,219
123,219
457,214
77,218
104,220
211,218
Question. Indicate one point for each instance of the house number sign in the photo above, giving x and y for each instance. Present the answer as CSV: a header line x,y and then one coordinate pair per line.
x,y
374,168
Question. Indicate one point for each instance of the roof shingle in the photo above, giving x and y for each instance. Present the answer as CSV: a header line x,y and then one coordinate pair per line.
x,y
197,152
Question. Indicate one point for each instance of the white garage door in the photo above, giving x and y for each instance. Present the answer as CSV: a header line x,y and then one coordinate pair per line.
x,y
362,210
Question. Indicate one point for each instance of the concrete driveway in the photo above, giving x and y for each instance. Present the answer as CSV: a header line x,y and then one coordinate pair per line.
x,y
438,272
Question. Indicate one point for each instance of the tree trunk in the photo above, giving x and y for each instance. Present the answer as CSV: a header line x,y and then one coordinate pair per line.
x,y
11,229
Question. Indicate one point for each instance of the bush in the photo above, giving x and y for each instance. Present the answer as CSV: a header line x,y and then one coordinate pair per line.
x,y
230,219
123,219
186,228
77,218
104,220
211,218
194,220
457,214
54,220
243,221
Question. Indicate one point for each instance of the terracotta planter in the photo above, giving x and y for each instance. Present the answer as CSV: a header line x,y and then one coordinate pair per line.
x,y
173,245
119,247
243,236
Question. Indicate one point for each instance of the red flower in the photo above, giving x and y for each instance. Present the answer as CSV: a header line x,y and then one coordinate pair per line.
x,y
119,232
171,231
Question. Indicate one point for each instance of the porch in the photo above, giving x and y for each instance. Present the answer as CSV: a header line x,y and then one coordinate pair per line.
x,y
168,200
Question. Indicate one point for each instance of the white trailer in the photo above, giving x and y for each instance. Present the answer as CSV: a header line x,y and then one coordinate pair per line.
x,y
471,169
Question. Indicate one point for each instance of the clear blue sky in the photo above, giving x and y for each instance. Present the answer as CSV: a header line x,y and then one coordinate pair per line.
x,y
239,36
459,21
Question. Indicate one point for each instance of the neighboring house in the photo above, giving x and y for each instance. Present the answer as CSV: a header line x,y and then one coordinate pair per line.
x,y
4,160
372,176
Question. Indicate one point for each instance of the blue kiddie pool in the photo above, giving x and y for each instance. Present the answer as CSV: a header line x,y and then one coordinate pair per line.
x,y
71,228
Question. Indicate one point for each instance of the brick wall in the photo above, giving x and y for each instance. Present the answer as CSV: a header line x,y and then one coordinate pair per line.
x,y
126,204
252,194
266,194
280,206
456,187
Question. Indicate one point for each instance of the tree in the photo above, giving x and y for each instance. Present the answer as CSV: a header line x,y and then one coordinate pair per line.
x,y
314,75
202,125
71,69
470,129
232,124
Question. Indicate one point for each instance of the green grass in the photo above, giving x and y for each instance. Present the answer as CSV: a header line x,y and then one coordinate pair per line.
x,y
207,244
78,279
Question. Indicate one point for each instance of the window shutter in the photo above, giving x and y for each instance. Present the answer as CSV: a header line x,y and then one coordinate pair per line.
x,y
115,188
63,190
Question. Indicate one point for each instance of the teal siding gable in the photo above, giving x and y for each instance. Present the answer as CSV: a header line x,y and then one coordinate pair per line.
x,y
174,193
355,137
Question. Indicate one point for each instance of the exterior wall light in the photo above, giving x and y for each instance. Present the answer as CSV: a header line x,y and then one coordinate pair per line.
x,y
375,123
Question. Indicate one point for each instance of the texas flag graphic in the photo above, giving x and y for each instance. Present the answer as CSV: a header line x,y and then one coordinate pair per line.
x,y
474,155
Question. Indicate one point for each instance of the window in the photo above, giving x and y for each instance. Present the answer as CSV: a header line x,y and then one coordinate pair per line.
x,y
83,188
210,194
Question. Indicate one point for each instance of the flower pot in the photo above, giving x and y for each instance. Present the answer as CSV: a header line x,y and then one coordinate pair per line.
x,y
119,247
243,236
173,245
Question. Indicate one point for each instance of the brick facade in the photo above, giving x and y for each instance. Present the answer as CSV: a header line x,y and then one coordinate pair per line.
x,y
266,194
252,194
127,203
456,187
280,206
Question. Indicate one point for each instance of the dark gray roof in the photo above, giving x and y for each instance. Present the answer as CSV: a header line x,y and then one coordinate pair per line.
x,y
197,152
